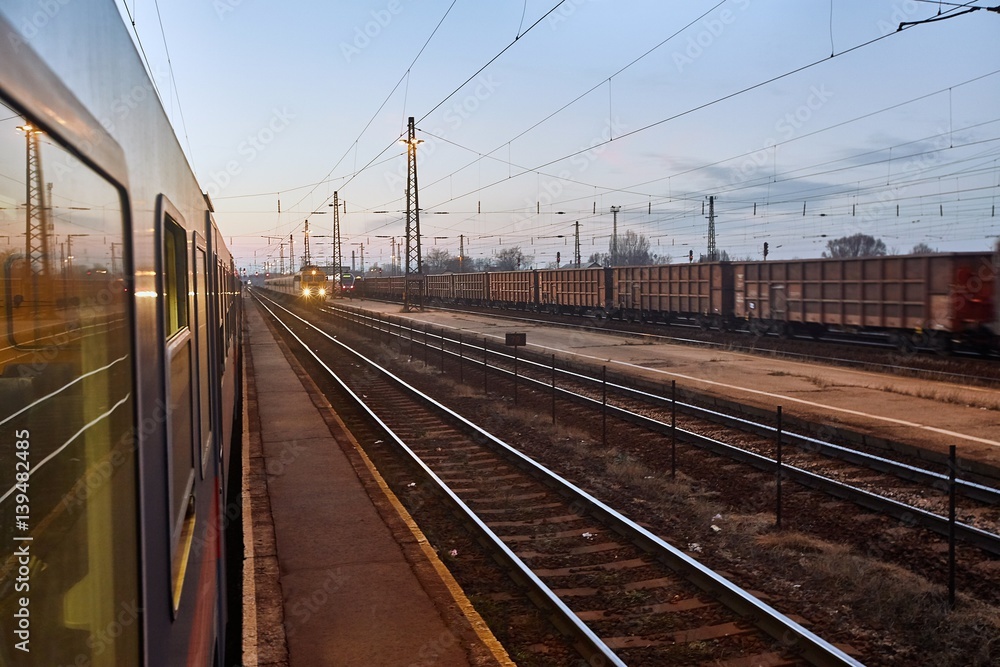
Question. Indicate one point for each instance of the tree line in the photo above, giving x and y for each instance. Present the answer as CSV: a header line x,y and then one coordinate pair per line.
x,y
633,249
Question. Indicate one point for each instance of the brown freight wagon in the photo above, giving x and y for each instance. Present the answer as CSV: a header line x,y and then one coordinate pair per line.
x,y
701,293
382,287
513,289
919,299
574,291
471,288
439,287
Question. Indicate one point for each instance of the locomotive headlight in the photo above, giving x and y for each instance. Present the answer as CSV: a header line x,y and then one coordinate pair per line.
x,y
322,291
305,291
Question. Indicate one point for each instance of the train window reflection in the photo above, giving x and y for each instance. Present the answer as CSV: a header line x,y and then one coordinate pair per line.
x,y
68,544
174,276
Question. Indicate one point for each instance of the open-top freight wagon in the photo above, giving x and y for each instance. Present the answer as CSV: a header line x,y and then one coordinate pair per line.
x,y
930,300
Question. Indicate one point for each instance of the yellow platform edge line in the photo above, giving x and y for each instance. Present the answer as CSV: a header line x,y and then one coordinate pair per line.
x,y
479,626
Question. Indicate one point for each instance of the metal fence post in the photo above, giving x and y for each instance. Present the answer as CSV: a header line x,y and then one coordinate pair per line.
x,y
604,405
515,375
952,464
553,389
673,429
778,471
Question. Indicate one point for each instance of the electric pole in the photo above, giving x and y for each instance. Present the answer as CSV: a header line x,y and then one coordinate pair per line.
x,y
576,236
712,251
412,289
338,257
461,252
614,236
308,259
291,253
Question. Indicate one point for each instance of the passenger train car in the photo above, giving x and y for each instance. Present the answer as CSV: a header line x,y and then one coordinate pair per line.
x,y
309,284
932,300
346,283
119,359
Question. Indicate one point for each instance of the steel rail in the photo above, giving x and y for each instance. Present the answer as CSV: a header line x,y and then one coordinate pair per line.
x,y
905,513
939,481
592,646
741,348
793,636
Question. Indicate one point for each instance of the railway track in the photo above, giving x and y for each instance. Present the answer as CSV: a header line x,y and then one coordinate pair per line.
x,y
912,495
870,355
624,595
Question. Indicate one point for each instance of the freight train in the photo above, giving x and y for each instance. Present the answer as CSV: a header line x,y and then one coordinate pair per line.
x,y
930,300
119,362
309,284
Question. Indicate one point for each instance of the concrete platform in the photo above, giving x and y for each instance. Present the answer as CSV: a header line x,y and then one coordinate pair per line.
x,y
336,572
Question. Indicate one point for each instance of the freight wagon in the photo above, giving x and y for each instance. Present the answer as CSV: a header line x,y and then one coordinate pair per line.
x,y
932,300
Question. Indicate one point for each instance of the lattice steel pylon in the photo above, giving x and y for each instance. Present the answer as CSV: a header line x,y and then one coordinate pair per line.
x,y
338,257
308,257
413,285
713,250
36,245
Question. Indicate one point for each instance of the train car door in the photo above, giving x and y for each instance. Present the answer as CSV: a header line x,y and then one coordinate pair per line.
x,y
180,359
778,300
203,422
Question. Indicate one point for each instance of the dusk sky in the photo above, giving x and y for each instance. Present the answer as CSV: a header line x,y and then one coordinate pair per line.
x,y
536,115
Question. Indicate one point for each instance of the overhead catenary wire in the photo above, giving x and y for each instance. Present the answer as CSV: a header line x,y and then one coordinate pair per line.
x,y
618,137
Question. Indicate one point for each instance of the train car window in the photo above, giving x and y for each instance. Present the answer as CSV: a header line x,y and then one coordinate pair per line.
x,y
174,277
181,365
220,297
201,295
68,542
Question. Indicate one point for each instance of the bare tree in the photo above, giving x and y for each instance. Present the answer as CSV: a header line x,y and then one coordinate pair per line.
x,y
858,245
436,260
512,259
633,250
922,249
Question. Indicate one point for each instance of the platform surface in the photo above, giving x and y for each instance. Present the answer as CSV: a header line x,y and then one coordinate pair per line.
x,y
340,576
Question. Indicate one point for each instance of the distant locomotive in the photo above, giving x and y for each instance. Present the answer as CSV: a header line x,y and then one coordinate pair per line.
x,y
929,300
308,284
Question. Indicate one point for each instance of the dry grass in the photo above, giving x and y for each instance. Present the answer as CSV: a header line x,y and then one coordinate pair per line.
x,y
890,600
950,396
882,599
887,606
